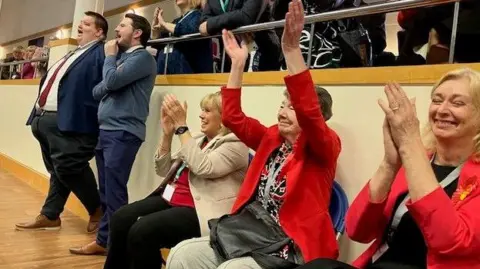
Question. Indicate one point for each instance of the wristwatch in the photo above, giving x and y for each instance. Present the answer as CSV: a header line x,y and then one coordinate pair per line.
x,y
181,130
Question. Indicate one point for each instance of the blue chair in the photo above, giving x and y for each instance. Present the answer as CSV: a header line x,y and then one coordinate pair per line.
x,y
338,208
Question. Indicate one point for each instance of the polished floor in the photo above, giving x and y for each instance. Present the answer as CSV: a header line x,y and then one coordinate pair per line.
x,y
37,249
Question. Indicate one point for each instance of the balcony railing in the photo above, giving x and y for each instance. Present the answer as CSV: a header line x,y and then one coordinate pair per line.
x,y
384,7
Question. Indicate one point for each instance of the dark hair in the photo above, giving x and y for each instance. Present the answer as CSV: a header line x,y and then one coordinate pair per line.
x,y
326,102
142,24
324,99
100,21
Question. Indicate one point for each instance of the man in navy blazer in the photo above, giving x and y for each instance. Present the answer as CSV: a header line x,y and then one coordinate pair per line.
x,y
64,121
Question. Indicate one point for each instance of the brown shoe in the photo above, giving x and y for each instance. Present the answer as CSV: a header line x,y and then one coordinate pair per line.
x,y
41,222
92,226
89,249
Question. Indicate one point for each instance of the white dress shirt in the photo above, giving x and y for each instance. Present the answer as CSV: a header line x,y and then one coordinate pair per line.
x,y
52,98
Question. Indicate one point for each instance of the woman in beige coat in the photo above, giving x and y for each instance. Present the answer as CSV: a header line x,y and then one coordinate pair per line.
x,y
206,172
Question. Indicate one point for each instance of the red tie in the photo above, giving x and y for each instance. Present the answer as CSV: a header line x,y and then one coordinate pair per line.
x,y
43,96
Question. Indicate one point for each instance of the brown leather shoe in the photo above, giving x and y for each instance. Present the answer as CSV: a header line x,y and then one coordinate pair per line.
x,y
92,226
89,249
41,222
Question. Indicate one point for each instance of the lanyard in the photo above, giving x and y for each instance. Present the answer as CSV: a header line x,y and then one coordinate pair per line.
x,y
224,4
179,172
402,210
185,16
272,176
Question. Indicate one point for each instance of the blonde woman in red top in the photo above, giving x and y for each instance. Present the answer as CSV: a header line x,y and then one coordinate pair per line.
x,y
292,173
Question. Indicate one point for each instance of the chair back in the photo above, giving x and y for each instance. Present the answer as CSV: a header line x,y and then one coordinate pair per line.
x,y
338,208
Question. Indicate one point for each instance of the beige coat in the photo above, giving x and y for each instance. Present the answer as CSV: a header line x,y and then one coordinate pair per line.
x,y
216,173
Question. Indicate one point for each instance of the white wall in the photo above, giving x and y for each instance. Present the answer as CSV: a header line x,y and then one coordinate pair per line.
x,y
19,18
357,119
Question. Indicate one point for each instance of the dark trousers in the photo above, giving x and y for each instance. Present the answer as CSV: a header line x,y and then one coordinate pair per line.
x,y
66,157
333,264
139,230
114,154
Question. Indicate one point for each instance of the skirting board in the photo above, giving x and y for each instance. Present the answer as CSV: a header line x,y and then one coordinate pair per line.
x,y
39,182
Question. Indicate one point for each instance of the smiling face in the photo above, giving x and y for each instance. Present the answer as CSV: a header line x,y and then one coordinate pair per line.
x,y
452,112
287,120
88,31
125,34
211,117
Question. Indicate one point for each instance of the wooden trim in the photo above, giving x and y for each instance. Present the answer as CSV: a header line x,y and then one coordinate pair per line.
x,y
62,42
37,35
136,5
26,82
408,75
39,181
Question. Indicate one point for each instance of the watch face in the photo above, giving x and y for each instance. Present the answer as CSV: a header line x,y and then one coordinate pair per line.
x,y
181,130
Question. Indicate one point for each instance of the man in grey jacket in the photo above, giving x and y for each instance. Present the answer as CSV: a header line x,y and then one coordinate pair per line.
x,y
124,92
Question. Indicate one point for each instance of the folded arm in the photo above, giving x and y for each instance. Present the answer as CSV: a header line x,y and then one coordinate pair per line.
x,y
99,91
133,68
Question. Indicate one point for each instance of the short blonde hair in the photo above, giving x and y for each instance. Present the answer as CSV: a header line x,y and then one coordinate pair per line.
x,y
473,78
213,101
31,48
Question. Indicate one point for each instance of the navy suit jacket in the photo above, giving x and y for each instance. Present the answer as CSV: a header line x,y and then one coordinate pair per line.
x,y
77,110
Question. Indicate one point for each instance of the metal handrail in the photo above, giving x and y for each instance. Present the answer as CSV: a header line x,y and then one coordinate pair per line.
x,y
322,17
24,62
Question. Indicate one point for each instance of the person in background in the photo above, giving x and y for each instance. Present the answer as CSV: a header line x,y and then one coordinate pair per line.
x,y
9,72
40,67
191,57
124,95
420,208
291,175
209,169
28,71
64,121
220,14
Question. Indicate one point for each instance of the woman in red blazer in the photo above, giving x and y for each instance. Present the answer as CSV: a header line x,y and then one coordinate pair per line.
x,y
301,142
426,213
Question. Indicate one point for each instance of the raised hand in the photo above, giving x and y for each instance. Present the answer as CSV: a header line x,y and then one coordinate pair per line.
x,y
294,23
238,53
401,115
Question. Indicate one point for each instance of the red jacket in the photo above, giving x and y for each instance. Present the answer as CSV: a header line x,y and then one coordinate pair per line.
x,y
450,227
304,215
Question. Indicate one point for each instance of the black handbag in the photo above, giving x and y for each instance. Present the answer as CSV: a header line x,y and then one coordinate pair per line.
x,y
251,232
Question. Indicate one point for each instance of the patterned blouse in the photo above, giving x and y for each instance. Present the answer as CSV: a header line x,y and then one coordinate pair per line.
x,y
277,193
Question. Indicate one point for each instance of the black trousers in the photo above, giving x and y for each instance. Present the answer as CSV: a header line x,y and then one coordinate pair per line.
x,y
66,156
139,230
333,264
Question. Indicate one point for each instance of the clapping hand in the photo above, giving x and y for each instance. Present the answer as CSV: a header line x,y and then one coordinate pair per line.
x,y
176,111
400,112
158,20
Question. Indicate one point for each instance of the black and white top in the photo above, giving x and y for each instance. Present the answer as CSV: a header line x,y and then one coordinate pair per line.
x,y
277,191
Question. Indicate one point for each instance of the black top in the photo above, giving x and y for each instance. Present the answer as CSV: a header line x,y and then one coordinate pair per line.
x,y
406,245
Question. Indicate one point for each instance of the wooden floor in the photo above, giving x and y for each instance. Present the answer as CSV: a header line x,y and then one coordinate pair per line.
x,y
37,249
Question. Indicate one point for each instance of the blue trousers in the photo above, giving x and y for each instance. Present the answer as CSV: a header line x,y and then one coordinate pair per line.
x,y
114,154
